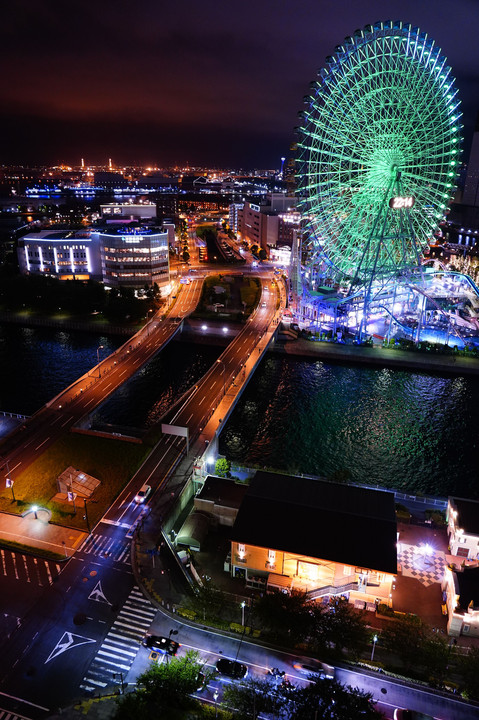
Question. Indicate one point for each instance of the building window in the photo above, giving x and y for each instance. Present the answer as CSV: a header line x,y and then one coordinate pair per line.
x,y
272,556
462,552
241,550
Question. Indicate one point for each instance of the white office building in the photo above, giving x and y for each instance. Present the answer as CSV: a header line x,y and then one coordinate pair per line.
x,y
134,256
65,254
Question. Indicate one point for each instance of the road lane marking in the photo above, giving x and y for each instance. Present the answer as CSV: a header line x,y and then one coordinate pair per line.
x,y
43,443
26,568
15,467
67,420
90,402
26,702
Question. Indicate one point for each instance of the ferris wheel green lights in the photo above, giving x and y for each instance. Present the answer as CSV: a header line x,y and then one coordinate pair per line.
x,y
382,121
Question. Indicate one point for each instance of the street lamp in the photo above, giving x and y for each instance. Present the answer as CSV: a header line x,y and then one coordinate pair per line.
x,y
120,675
85,517
34,510
224,375
242,612
100,347
9,484
215,698
375,639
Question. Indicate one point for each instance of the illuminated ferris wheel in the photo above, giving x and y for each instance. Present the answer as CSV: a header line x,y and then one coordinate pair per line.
x,y
378,151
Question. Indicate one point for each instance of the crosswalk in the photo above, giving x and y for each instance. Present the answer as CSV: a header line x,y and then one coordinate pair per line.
x,y
121,644
27,568
6,715
102,545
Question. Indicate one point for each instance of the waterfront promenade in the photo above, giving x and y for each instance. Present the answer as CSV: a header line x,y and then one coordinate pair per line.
x,y
427,361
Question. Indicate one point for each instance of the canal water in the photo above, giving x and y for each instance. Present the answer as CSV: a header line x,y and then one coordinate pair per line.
x,y
395,428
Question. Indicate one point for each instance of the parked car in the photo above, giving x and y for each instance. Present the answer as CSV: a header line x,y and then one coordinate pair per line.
x,y
231,669
159,643
142,493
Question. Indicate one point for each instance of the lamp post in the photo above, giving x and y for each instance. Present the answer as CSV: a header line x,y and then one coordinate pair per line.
x,y
215,698
375,639
9,484
100,347
34,510
224,375
71,497
242,605
122,687
172,632
85,517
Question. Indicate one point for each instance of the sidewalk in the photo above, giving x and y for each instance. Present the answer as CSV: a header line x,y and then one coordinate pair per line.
x,y
34,529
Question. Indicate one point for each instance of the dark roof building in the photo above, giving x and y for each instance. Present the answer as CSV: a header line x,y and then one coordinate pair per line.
x,y
341,523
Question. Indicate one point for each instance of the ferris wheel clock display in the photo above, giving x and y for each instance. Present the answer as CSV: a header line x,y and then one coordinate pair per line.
x,y
378,151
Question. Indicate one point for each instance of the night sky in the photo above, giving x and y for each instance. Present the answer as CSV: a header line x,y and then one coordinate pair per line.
x,y
205,82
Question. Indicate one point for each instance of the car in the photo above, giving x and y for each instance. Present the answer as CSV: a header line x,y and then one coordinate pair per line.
x,y
315,667
142,493
159,643
231,669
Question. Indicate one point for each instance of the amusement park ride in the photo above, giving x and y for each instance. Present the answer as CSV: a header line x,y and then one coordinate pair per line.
x,y
378,157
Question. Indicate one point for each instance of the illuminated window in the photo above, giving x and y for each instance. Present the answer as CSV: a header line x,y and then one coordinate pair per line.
x,y
241,550
272,556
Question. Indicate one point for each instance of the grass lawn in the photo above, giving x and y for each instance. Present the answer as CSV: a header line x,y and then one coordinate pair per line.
x,y
112,461
237,290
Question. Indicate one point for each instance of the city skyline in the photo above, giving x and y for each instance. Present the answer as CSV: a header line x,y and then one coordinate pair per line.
x,y
200,85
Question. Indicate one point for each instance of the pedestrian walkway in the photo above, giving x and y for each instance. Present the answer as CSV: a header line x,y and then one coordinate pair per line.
x,y
97,544
426,567
34,529
28,569
121,645
6,715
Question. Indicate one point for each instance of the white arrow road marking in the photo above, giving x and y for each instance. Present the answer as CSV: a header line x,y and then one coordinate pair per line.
x,y
68,641
98,595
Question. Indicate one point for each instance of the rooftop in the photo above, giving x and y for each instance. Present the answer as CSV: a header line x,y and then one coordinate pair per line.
x,y
467,514
222,491
341,523
468,588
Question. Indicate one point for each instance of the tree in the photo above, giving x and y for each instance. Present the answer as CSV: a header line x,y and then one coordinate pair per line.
x,y
338,627
163,691
405,638
223,467
253,697
469,666
207,600
262,254
287,616
320,699
185,256
435,656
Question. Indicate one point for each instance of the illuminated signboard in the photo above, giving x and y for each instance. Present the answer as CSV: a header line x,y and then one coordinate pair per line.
x,y
400,202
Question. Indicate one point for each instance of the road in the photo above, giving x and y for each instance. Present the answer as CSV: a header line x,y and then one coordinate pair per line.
x,y
55,652
55,419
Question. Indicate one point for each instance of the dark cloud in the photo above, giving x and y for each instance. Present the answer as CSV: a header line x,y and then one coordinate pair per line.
x,y
211,82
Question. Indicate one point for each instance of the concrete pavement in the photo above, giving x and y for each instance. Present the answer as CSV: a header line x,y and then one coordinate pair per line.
x,y
33,530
